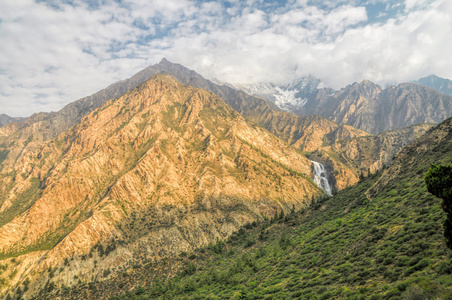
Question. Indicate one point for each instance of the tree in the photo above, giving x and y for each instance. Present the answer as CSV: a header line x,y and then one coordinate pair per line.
x,y
439,183
361,175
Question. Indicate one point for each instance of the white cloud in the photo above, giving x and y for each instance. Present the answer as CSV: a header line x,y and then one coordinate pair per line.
x,y
411,4
52,56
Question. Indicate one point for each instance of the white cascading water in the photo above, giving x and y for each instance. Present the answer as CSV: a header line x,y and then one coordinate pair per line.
x,y
320,177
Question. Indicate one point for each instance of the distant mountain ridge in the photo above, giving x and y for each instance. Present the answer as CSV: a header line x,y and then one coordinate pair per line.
x,y
369,107
442,85
5,119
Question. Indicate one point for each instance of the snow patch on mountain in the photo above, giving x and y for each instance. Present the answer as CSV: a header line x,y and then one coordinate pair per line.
x,y
291,96
286,99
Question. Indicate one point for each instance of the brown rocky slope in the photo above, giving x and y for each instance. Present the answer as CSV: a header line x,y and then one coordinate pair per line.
x,y
305,133
370,153
164,168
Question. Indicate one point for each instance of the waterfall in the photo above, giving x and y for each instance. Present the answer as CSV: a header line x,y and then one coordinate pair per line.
x,y
320,177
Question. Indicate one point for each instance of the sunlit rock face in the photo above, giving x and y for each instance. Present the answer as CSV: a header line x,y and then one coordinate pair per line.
x,y
162,169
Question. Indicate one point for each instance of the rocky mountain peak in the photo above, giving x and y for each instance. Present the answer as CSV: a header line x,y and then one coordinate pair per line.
x,y
164,61
5,119
288,96
442,85
365,88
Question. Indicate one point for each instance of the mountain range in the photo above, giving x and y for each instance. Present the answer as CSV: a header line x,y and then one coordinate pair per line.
x,y
168,162
440,84
364,105
5,119
306,133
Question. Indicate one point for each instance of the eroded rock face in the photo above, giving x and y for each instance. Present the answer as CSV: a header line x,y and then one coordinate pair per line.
x,y
369,107
348,159
371,153
433,147
164,168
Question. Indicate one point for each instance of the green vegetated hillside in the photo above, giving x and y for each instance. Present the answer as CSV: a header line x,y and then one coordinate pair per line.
x,y
380,239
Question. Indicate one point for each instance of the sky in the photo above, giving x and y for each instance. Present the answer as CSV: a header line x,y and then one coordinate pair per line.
x,y
55,52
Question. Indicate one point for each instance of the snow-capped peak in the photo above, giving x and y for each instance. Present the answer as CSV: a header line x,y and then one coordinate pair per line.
x,y
289,96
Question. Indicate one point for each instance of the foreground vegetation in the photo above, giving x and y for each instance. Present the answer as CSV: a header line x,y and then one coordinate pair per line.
x,y
439,183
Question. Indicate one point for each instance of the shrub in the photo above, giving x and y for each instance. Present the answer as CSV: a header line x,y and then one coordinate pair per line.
x,y
139,290
249,242
217,247
439,182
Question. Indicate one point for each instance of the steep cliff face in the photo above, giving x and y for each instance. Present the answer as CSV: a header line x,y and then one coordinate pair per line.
x,y
371,153
164,168
373,109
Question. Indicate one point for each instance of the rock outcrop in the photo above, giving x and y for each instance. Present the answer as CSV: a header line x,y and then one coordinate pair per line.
x,y
370,153
373,109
